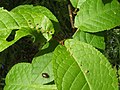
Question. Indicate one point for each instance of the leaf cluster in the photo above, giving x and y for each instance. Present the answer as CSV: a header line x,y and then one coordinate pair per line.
x,y
78,63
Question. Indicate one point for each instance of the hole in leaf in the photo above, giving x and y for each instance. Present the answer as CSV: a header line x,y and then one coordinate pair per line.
x,y
30,24
47,32
50,32
39,27
29,21
87,71
37,24
11,36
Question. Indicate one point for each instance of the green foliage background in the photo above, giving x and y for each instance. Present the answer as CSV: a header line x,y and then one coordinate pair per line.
x,y
24,49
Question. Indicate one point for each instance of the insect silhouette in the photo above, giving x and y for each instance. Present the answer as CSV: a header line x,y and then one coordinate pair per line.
x,y
45,75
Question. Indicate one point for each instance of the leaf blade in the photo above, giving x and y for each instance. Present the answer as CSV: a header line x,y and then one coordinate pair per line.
x,y
23,80
39,24
93,65
95,39
94,16
77,3
30,76
65,69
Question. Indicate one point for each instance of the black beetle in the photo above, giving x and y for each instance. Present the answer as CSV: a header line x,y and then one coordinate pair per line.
x,y
45,75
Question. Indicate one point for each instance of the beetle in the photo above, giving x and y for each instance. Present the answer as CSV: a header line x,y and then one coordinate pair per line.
x,y
45,75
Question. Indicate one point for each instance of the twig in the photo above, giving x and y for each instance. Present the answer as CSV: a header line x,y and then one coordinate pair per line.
x,y
71,15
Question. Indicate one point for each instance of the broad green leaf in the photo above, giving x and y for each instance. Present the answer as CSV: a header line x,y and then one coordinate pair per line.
x,y
42,63
119,75
37,24
35,21
94,39
77,3
95,16
19,34
20,77
30,76
79,66
38,9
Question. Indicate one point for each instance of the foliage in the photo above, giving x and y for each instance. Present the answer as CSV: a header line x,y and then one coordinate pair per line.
x,y
95,16
78,63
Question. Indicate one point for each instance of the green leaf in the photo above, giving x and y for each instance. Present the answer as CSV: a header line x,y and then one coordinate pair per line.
x,y
21,77
37,24
42,63
35,21
95,16
77,3
96,40
38,9
19,34
79,66
30,76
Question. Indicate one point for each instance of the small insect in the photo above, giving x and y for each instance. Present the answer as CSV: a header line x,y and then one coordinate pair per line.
x,y
45,75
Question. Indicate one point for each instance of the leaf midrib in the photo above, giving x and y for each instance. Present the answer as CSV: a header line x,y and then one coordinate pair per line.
x,y
68,49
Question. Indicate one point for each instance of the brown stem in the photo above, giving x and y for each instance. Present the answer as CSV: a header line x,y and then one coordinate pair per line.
x,y
71,15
